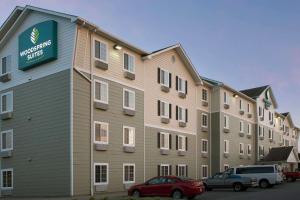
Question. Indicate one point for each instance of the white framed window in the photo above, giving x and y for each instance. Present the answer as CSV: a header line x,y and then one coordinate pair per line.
x,y
261,131
181,143
204,120
164,140
5,65
241,104
260,111
164,109
101,132
181,114
101,51
7,179
128,99
204,145
7,140
249,149
249,129
204,171
226,121
164,77
101,91
129,62
7,102
128,173
226,100
226,146
101,173
261,150
242,149
226,166
165,170
241,127
181,85
270,134
128,136
181,170
204,95
248,108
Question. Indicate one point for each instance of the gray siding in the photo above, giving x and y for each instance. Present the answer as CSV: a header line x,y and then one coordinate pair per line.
x,y
41,125
215,142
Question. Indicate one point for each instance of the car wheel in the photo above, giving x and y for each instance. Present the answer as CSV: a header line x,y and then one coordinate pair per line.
x,y
237,187
263,184
177,194
136,194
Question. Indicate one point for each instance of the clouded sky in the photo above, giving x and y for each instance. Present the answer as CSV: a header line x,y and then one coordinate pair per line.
x,y
245,43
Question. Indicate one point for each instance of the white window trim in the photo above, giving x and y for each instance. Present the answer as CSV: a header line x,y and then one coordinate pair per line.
x,y
204,166
249,145
12,103
206,95
130,91
204,140
178,83
182,165
225,98
164,165
183,143
12,140
167,135
130,54
262,150
243,148
227,121
242,127
101,41
8,71
204,114
183,114
260,131
271,131
12,179
249,108
241,105
128,164
101,142
168,109
227,146
107,174
129,145
104,83
168,81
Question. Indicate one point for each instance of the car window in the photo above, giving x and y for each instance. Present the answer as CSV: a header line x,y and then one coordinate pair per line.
x,y
155,181
171,180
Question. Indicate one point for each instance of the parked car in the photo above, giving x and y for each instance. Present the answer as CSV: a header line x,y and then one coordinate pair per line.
x,y
292,176
225,180
168,186
266,175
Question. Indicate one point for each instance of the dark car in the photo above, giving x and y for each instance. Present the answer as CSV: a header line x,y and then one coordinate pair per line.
x,y
168,186
225,180
292,176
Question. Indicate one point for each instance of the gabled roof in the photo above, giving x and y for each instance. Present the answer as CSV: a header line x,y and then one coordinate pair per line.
x,y
288,116
181,52
254,93
279,154
221,84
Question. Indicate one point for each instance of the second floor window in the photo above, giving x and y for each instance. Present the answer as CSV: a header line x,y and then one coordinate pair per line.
x,y
7,102
101,132
270,134
181,114
241,127
249,149
128,99
5,65
204,95
164,109
241,104
101,92
226,122
164,140
249,129
204,120
129,63
204,146
226,146
101,51
6,140
129,136
182,140
241,148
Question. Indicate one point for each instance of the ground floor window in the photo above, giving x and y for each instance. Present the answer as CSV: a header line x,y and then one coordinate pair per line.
x,y
7,179
182,170
204,171
101,173
129,173
164,170
226,166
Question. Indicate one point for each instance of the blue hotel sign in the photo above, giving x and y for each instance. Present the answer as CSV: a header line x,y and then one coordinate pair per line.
x,y
38,45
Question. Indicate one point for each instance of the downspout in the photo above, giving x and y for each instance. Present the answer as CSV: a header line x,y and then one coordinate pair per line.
x,y
210,142
92,113
197,133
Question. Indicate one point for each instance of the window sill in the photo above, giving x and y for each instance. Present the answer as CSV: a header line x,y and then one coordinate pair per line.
x,y
101,147
165,120
164,88
204,103
128,112
226,130
181,95
181,153
164,151
7,115
129,149
5,78
129,75
100,105
182,124
6,191
6,154
101,65
101,188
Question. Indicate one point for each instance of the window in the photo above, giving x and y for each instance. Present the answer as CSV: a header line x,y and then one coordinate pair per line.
x,y
7,140
181,143
7,179
241,104
101,173
225,98
204,95
164,109
128,173
281,138
261,131
226,121
165,170
101,133
259,111
181,114
181,84
101,51
270,134
164,140
249,149
164,78
204,120
129,63
226,167
204,146
261,150
226,146
270,115
129,136
254,170
5,65
7,102
128,99
249,129
204,171
248,108
181,170
241,127
101,92
241,148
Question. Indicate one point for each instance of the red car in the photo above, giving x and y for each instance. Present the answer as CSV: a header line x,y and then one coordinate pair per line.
x,y
292,176
168,186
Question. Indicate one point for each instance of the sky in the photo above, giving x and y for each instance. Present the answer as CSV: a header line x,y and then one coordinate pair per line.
x,y
244,43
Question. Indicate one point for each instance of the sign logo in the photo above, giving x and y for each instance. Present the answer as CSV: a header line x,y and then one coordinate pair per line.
x,y
267,99
38,45
34,35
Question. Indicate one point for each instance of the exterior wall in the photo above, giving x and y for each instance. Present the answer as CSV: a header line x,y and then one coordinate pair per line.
x,y
41,154
215,143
